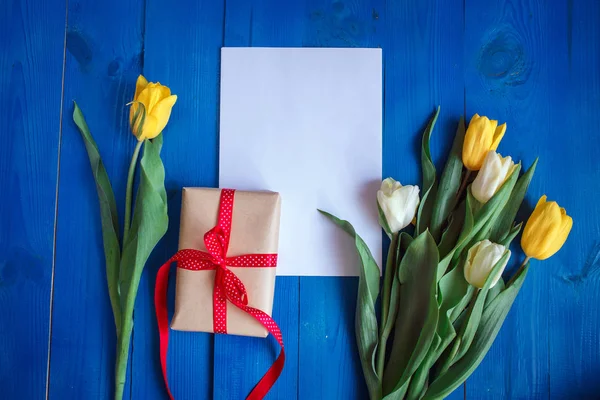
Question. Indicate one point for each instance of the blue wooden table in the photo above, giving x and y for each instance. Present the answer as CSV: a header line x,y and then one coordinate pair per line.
x,y
534,64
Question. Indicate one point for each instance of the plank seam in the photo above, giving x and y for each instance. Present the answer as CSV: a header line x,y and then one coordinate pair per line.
x,y
55,228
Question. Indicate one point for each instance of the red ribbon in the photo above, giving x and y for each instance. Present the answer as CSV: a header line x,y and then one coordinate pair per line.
x,y
227,287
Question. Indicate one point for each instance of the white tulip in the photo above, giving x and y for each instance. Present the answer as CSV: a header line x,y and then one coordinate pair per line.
x,y
398,203
491,176
481,259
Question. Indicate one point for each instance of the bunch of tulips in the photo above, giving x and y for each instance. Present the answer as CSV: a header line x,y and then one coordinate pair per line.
x,y
443,297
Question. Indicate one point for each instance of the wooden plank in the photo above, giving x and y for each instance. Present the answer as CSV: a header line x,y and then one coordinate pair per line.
x,y
421,70
423,54
31,66
103,59
182,44
240,361
572,176
329,367
514,58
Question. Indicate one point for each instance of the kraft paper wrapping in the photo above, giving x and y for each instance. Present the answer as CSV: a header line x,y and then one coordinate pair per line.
x,y
254,230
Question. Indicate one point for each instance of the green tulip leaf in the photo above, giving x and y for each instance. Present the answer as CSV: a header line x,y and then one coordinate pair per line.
x,y
512,233
454,295
494,292
389,320
474,317
493,316
484,216
452,231
418,383
493,208
148,226
366,318
150,219
469,220
449,184
429,180
108,215
383,222
417,314
502,227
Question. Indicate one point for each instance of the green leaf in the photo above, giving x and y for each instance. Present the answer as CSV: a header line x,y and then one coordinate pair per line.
x,y
465,233
366,319
150,220
108,215
417,315
469,220
494,292
404,242
449,183
149,224
418,383
493,316
383,222
452,232
429,181
474,317
461,220
455,294
514,231
484,216
509,212
390,318
495,205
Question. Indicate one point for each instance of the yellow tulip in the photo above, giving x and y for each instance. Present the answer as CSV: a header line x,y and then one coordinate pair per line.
x,y
546,230
482,136
150,109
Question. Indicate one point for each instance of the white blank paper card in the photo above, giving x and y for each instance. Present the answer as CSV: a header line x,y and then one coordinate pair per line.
x,y
307,123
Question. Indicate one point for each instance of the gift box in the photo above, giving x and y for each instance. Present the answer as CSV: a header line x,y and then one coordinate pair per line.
x,y
226,263
254,230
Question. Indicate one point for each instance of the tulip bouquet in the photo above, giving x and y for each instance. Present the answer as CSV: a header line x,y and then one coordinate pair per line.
x,y
443,295
125,258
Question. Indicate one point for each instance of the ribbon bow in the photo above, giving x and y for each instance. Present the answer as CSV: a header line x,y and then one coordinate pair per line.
x,y
227,286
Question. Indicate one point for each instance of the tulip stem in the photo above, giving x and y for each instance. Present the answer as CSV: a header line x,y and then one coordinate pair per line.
x,y
389,275
523,264
463,185
129,190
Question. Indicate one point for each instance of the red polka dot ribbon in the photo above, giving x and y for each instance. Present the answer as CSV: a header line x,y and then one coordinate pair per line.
x,y
228,287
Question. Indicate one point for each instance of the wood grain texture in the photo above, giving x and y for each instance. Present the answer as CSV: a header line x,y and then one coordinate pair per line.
x,y
572,177
532,64
240,362
513,58
182,47
104,45
329,367
31,60
423,64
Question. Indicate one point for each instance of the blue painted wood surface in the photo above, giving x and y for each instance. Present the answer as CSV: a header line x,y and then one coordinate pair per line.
x,y
31,73
531,64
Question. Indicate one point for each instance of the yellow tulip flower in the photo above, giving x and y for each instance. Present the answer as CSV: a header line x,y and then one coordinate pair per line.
x,y
150,109
546,230
482,136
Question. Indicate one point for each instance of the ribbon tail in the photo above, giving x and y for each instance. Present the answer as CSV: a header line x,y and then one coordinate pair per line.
x,y
270,377
162,317
268,380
